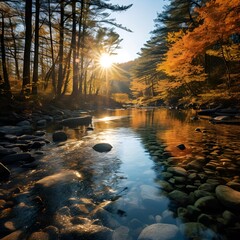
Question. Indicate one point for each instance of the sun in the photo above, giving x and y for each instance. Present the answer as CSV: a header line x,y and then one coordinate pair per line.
x,y
105,61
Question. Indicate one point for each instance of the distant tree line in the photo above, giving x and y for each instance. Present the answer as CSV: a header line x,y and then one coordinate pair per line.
x,y
53,46
194,51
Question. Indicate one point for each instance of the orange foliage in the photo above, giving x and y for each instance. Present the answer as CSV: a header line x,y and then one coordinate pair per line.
x,y
221,19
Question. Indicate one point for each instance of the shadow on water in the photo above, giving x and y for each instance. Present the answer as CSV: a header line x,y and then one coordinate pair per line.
x,y
145,182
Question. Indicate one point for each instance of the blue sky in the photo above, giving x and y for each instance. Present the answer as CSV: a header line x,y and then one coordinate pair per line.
x,y
139,18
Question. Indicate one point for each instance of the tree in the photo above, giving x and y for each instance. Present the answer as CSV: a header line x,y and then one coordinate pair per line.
x,y
27,49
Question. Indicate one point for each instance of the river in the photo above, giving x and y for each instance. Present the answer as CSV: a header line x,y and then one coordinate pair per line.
x,y
158,182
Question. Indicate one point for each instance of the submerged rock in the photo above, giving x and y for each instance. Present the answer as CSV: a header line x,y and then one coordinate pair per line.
x,y
86,232
159,231
58,188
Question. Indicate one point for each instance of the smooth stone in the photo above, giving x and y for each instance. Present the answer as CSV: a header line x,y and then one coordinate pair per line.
x,y
17,158
86,232
23,123
229,217
102,147
59,136
166,186
178,171
229,197
208,204
196,165
234,185
15,130
206,219
6,151
150,197
201,193
17,235
159,231
181,147
179,197
208,187
121,233
4,172
58,188
195,230
41,123
39,236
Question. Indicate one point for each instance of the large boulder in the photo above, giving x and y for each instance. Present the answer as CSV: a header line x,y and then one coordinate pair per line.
x,y
229,197
159,231
58,188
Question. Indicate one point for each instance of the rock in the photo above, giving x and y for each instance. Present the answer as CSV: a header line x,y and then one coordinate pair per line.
x,y
58,188
17,235
193,212
201,193
229,197
39,236
165,185
121,233
178,171
86,232
17,158
4,172
234,185
102,147
181,147
5,152
76,121
41,123
23,123
59,136
196,165
151,198
195,230
208,204
179,197
15,130
208,187
39,133
229,217
159,231
206,219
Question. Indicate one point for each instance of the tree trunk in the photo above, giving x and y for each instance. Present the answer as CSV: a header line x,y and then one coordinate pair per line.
x,y
53,70
27,48
15,50
36,50
6,86
75,68
61,41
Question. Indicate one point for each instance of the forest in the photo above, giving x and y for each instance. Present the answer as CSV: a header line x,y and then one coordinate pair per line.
x,y
52,48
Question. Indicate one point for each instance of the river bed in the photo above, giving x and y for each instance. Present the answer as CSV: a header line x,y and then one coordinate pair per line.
x,y
163,179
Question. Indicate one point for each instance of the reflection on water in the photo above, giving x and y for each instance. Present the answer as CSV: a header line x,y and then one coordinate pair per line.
x,y
146,179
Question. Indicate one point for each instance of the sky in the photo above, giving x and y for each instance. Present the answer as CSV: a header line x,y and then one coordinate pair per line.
x,y
140,19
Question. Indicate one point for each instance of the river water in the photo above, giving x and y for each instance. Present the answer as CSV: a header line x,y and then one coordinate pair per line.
x,y
146,180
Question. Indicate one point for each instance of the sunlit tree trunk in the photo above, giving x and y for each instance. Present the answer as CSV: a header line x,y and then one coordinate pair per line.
x,y
36,50
61,42
27,48
75,72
